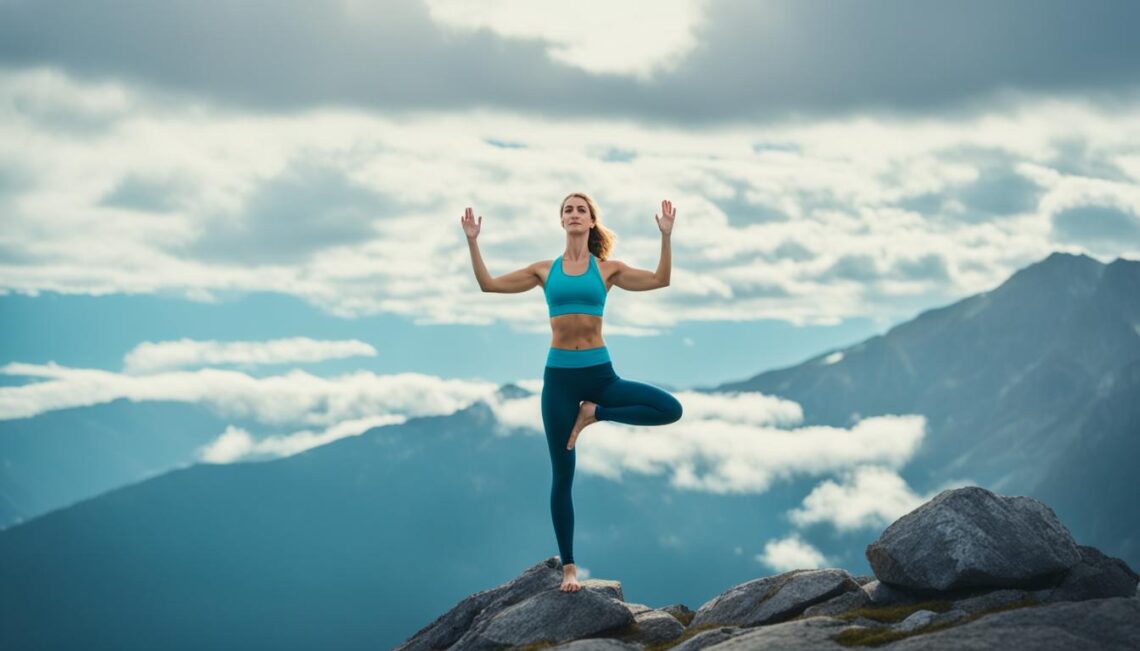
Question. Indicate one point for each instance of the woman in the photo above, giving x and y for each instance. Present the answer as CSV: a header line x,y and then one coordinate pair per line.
x,y
579,383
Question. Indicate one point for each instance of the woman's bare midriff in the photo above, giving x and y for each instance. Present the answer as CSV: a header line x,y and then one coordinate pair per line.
x,y
576,331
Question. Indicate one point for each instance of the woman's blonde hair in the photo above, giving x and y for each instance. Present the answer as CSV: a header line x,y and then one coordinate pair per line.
x,y
602,239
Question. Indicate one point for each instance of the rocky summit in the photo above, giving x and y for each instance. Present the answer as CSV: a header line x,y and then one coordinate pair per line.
x,y
968,569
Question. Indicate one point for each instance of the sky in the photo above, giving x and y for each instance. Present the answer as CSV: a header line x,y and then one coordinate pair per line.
x,y
255,206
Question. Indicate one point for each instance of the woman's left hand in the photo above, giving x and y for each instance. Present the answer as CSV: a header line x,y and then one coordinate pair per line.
x,y
665,221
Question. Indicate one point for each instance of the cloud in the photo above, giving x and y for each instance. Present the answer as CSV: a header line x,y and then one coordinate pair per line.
x,y
791,553
150,357
726,443
866,497
704,452
1095,225
307,207
292,399
600,36
350,212
237,444
734,60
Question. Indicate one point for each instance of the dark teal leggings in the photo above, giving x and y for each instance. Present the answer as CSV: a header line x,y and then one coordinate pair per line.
x,y
564,387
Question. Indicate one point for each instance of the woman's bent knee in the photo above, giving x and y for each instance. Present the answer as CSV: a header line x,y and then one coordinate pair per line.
x,y
674,410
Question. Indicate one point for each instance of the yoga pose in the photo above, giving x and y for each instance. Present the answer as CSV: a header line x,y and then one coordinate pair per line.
x,y
580,386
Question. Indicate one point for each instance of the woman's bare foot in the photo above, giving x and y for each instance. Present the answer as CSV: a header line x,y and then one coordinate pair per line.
x,y
585,417
570,578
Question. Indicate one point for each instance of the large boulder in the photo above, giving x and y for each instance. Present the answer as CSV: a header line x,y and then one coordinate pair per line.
x,y
1094,625
527,609
972,537
773,598
1096,576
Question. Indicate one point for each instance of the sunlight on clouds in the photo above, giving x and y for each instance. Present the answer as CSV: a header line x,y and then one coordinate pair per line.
x,y
791,553
601,37
149,357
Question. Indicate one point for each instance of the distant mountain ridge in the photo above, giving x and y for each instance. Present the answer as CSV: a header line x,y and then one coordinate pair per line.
x,y
1014,382
362,538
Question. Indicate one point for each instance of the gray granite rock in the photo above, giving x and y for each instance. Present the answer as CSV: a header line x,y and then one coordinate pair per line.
x,y
680,611
655,627
708,638
446,629
1096,576
972,537
550,615
597,644
917,619
811,634
990,600
773,598
526,609
839,604
1109,624
883,594
636,609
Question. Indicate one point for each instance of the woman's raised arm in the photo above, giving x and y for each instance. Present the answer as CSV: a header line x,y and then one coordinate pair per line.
x,y
516,281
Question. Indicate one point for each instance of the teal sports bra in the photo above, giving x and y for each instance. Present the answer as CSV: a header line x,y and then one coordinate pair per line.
x,y
584,293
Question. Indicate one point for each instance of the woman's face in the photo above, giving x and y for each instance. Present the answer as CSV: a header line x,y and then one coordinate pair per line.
x,y
576,215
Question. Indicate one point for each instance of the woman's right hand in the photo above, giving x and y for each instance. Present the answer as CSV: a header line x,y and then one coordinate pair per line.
x,y
470,226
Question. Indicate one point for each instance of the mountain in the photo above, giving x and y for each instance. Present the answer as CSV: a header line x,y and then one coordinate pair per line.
x,y
351,544
357,543
66,455
1017,384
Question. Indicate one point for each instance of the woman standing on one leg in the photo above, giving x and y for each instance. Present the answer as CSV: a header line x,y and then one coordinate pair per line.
x,y
580,386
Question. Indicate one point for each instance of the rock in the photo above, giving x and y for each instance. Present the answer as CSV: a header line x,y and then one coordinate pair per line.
x,y
773,598
990,600
972,537
883,594
680,611
840,604
655,627
597,644
917,619
954,614
709,638
1096,576
814,633
636,609
551,615
1093,625
864,579
529,608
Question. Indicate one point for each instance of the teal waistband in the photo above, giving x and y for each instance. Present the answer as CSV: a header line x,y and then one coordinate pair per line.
x,y
566,358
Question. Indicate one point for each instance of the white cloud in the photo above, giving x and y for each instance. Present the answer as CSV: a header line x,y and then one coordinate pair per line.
x,y
236,444
791,553
867,496
149,357
843,185
705,453
294,398
725,443
599,36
